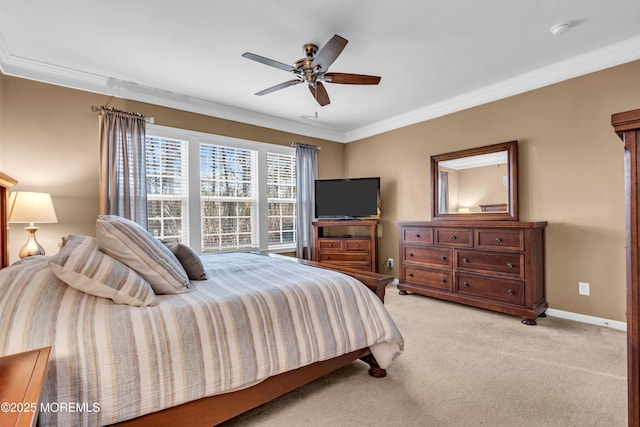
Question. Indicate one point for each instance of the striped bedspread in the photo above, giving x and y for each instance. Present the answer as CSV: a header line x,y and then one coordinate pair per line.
x,y
253,318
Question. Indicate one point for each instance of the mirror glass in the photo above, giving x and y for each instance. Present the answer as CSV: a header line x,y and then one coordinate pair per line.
x,y
479,183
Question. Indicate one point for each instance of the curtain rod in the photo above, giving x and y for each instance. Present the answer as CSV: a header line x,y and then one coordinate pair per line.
x,y
114,110
301,144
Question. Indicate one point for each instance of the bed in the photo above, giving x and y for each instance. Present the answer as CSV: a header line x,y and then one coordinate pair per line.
x,y
254,329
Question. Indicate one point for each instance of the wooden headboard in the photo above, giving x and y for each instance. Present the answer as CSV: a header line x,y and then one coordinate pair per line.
x,y
6,182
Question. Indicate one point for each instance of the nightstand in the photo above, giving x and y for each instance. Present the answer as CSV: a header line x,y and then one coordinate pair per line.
x,y
21,379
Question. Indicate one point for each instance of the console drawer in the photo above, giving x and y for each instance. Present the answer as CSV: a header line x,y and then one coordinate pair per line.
x,y
491,262
497,239
437,279
324,256
491,288
358,244
460,237
435,257
334,244
418,235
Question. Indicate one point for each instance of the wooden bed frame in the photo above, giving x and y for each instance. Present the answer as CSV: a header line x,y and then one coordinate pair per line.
x,y
216,409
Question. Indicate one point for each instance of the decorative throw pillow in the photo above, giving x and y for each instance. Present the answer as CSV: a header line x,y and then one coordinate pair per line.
x,y
189,259
82,266
131,244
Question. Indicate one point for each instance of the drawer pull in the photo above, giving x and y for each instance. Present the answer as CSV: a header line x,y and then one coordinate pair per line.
x,y
326,257
510,265
410,274
443,258
454,237
417,236
410,253
465,260
465,284
511,292
330,245
361,258
357,245
499,239
443,280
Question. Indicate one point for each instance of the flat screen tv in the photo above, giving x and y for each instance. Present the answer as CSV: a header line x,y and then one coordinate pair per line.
x,y
348,198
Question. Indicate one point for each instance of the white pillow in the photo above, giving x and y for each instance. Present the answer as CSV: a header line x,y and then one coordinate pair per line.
x,y
128,242
82,266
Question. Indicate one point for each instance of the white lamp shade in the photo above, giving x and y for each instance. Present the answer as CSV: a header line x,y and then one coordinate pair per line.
x,y
25,206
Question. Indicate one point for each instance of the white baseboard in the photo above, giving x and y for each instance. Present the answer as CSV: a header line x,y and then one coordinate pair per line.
x,y
583,318
592,320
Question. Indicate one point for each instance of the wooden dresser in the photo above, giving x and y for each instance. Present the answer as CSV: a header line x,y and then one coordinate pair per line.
x,y
496,265
357,250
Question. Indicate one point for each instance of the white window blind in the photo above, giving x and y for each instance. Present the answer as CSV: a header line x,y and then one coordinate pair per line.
x,y
167,195
228,197
281,198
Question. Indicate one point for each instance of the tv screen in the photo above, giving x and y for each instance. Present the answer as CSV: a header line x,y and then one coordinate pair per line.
x,y
347,198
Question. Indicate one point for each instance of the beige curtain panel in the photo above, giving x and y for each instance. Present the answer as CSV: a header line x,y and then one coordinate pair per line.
x,y
123,185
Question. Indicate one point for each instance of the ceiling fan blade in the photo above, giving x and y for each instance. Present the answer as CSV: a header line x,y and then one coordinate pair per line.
x,y
267,61
351,79
320,94
329,52
278,87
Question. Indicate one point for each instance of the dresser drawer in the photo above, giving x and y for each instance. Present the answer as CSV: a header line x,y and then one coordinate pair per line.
x,y
324,256
492,262
336,244
358,244
435,257
460,237
509,291
437,279
418,235
497,239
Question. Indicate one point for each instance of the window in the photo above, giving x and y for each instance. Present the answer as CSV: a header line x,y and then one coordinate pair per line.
x,y
167,188
281,193
217,193
228,197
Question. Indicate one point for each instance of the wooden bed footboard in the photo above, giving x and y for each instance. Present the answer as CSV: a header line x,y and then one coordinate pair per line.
x,y
213,410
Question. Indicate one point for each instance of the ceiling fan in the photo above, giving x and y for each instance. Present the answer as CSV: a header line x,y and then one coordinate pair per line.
x,y
313,70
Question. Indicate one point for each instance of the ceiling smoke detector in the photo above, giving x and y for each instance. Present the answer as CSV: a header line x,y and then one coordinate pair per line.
x,y
560,28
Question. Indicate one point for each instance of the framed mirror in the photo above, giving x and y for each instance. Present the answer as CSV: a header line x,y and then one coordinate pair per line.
x,y
476,184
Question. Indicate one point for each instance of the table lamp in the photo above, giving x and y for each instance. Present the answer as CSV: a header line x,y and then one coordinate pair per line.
x,y
29,207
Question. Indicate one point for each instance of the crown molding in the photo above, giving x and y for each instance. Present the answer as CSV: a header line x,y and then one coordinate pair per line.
x,y
62,76
609,56
600,59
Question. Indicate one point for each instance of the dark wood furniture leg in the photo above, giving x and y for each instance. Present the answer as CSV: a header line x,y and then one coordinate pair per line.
x,y
374,369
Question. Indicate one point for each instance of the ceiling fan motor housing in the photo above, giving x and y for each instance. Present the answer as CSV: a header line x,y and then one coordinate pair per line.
x,y
304,65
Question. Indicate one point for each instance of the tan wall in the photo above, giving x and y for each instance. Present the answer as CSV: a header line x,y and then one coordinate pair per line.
x,y
570,167
570,174
49,142
482,186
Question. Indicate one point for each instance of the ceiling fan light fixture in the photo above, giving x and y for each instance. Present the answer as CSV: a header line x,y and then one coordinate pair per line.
x,y
560,28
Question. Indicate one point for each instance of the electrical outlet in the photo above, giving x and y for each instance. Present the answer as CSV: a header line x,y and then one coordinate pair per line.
x,y
583,288
389,262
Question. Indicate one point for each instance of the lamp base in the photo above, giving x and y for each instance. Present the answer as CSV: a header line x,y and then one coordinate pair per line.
x,y
32,247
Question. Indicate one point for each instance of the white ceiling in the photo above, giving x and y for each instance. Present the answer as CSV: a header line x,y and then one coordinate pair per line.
x,y
435,57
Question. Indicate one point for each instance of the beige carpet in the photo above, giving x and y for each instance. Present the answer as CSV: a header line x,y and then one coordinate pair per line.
x,y
469,367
